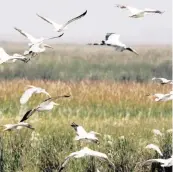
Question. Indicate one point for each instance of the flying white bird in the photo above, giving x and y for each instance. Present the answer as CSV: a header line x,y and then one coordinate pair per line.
x,y
46,105
154,147
112,39
137,13
163,80
35,49
9,127
164,162
4,57
60,27
83,135
84,153
161,97
30,91
34,40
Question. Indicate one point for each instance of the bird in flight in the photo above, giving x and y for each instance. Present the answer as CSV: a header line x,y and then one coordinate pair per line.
x,y
9,127
112,39
163,80
30,91
32,39
86,152
46,105
83,135
162,97
5,58
138,13
60,27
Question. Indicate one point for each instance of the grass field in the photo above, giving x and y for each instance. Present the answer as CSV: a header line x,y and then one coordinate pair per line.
x,y
100,101
112,109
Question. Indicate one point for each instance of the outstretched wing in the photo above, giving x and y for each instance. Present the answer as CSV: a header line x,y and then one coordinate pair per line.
x,y
147,10
131,9
76,18
28,114
49,21
27,94
66,161
154,147
81,131
27,35
3,55
112,36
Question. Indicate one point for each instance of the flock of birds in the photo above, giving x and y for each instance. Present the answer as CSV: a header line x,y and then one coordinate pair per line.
x,y
37,46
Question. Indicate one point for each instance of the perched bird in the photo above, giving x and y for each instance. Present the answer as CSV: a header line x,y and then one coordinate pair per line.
x,y
60,27
46,105
4,57
84,153
9,127
112,39
154,147
137,13
83,135
30,91
161,97
163,80
164,162
34,40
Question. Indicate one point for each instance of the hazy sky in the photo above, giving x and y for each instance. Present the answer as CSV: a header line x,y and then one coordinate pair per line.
x,y
102,17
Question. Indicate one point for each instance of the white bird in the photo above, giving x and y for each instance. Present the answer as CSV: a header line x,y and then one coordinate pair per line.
x,y
83,135
137,13
4,57
46,105
112,39
32,39
154,147
164,162
9,127
84,153
60,27
30,91
35,49
163,80
162,97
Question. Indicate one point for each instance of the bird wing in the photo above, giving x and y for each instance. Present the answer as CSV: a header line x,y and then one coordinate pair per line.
x,y
112,38
73,19
49,21
27,94
81,131
66,161
50,38
160,79
131,9
28,114
154,147
27,35
3,56
148,10
162,161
